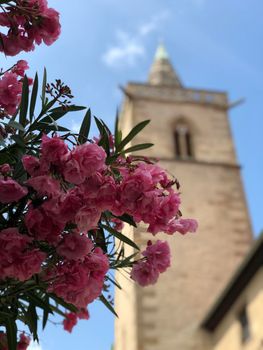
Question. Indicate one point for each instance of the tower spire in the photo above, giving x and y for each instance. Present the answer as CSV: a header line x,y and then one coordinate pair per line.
x,y
162,71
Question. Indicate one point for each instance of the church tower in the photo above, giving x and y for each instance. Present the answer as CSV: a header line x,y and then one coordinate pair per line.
x,y
192,138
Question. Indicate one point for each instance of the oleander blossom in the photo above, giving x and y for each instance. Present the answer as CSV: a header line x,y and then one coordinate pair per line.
x,y
22,343
17,259
72,318
157,259
11,191
28,23
80,283
11,83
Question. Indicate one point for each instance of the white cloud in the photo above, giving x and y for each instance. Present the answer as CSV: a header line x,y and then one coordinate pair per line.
x,y
153,24
130,46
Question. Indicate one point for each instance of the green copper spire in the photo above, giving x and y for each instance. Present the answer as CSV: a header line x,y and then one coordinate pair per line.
x,y
161,53
162,71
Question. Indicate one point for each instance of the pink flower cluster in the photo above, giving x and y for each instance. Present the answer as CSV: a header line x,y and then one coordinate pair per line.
x,y
22,344
29,22
147,194
80,282
18,258
11,87
157,260
71,319
66,197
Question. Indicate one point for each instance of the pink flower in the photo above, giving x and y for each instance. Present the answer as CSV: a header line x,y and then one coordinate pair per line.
x,y
83,314
70,321
45,185
75,247
144,273
182,226
69,205
48,29
158,255
29,264
31,23
31,165
87,218
11,191
53,150
71,171
86,159
5,169
10,92
20,68
23,342
72,318
80,282
17,260
107,194
43,226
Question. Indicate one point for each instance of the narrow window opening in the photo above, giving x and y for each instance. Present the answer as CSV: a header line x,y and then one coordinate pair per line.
x,y
188,144
244,325
177,144
183,142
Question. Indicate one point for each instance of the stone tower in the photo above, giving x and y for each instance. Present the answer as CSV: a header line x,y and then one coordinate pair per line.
x,y
192,138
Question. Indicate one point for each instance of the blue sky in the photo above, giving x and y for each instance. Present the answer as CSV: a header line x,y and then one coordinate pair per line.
x,y
212,44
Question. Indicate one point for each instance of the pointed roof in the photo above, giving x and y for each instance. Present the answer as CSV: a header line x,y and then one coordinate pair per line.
x,y
162,71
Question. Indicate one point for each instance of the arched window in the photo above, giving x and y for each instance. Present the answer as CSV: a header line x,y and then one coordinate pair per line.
x,y
183,141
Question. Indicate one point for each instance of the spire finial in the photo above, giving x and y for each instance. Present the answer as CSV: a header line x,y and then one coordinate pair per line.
x,y
162,72
161,52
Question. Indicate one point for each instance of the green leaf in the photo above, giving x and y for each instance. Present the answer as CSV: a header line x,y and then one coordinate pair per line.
x,y
100,239
33,98
138,147
16,125
44,84
104,134
116,129
24,102
125,262
19,140
132,134
53,116
19,171
46,312
11,332
38,301
32,319
66,305
114,282
128,219
120,236
100,126
107,304
85,128
71,108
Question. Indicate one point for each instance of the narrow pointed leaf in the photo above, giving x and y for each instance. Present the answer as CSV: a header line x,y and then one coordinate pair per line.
x,y
108,305
11,332
44,84
33,98
24,102
120,236
138,147
85,128
132,134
